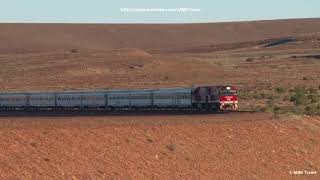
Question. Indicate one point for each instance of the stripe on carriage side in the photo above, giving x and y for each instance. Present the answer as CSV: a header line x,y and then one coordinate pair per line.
x,y
152,98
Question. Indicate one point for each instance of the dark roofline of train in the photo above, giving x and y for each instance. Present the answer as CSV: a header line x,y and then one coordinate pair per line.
x,y
92,91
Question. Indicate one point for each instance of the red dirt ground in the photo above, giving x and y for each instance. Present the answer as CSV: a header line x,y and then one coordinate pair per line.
x,y
233,146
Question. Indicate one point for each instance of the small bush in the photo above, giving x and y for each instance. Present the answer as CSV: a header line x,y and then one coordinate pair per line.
x,y
280,90
299,96
268,109
291,90
171,147
276,109
313,91
281,110
74,51
311,110
263,95
300,90
249,59
299,100
313,98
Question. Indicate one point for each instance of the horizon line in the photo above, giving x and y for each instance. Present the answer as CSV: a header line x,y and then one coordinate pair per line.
x,y
162,23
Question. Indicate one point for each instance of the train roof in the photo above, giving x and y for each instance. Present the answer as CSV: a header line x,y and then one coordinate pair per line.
x,y
91,91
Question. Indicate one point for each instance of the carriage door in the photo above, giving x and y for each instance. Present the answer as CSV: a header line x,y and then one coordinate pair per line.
x,y
208,95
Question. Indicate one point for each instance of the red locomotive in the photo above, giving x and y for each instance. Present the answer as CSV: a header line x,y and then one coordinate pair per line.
x,y
215,98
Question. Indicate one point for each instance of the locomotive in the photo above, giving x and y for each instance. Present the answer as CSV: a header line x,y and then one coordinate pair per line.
x,y
209,98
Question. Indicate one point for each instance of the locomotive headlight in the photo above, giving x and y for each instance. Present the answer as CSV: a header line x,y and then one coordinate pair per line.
x,y
228,88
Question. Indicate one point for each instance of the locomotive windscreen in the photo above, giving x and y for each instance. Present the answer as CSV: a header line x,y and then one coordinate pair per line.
x,y
228,93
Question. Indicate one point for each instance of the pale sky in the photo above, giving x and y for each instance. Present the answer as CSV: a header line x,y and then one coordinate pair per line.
x,y
104,11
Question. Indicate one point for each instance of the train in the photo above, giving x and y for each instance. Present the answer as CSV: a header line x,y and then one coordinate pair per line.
x,y
208,98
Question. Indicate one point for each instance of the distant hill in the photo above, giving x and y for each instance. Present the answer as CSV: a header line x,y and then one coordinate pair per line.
x,y
42,37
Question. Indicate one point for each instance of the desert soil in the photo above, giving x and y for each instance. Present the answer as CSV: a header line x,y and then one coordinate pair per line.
x,y
217,146
55,57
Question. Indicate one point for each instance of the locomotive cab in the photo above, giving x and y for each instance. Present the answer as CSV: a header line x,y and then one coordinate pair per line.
x,y
228,98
